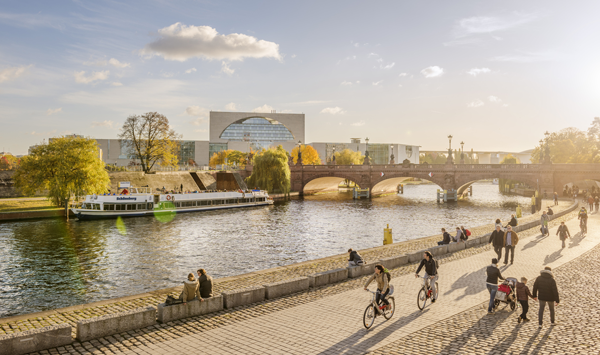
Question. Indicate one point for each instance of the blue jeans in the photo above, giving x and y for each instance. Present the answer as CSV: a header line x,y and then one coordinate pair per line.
x,y
492,289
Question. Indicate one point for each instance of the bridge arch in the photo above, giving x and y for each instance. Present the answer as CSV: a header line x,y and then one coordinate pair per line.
x,y
464,183
326,183
388,183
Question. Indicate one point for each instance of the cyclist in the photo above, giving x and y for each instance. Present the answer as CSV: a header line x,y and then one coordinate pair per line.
x,y
431,274
382,286
583,217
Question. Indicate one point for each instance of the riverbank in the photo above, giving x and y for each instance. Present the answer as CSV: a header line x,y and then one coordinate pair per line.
x,y
72,314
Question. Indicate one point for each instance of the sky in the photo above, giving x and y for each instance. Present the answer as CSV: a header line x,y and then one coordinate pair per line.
x,y
495,75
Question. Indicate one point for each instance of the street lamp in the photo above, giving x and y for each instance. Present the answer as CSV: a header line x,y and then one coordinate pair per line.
x,y
367,159
541,151
299,153
449,159
392,155
334,155
462,152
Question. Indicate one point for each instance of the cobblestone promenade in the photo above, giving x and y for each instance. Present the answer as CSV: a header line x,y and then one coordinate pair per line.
x,y
328,320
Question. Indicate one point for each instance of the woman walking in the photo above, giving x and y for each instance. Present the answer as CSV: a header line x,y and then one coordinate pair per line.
x,y
563,233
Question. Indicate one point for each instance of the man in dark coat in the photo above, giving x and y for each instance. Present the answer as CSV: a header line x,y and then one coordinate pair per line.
x,y
545,285
206,284
497,240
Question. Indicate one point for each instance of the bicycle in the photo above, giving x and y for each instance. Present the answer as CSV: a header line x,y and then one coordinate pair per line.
x,y
372,310
426,292
583,226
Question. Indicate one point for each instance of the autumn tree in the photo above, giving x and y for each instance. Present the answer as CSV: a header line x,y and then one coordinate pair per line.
x,y
151,140
271,171
310,156
347,157
234,157
569,145
65,167
8,162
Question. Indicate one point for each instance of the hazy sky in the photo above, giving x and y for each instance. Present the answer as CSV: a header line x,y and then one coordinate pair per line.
x,y
494,74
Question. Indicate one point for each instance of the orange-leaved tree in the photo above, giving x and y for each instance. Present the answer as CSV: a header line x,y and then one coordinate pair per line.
x,y
309,155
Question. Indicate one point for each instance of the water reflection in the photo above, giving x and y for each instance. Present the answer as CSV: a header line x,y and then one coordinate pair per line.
x,y
52,263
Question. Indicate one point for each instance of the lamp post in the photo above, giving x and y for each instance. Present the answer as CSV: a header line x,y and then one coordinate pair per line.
x,y
367,160
462,152
541,151
392,156
449,159
299,162
333,159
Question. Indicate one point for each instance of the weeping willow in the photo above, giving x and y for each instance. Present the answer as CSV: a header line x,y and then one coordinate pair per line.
x,y
271,171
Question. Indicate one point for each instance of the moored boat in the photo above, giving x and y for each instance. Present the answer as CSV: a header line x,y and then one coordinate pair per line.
x,y
138,202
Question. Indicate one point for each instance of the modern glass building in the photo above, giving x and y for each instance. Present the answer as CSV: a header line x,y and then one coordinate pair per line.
x,y
260,132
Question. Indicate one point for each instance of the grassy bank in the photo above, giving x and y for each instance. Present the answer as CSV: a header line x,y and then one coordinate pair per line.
x,y
21,205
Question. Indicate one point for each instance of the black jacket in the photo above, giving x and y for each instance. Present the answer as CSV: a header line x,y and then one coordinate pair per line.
x,y
497,238
355,256
513,222
430,267
446,239
546,286
563,231
493,274
206,286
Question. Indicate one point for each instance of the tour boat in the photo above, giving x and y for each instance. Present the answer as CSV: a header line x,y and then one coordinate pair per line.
x,y
138,202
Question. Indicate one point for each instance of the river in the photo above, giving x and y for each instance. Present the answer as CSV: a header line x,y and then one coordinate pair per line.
x,y
47,264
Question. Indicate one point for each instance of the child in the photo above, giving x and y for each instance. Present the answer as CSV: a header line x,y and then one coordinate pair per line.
x,y
523,295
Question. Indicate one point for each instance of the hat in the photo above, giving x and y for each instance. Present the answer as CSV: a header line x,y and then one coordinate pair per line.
x,y
494,261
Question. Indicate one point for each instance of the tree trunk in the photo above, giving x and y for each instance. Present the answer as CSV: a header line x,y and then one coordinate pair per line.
x,y
67,208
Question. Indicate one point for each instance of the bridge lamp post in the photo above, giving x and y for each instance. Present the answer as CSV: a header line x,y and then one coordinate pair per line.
x,y
392,156
449,159
299,162
541,151
367,160
547,149
462,152
333,159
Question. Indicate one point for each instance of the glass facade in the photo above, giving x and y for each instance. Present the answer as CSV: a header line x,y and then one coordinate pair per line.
x,y
187,152
339,147
127,150
379,153
258,131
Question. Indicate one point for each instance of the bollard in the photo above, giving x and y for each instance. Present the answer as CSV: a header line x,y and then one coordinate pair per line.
x,y
519,211
387,235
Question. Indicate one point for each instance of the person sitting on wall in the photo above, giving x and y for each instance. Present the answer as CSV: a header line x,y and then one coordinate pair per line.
x,y
446,236
355,258
191,290
550,212
205,282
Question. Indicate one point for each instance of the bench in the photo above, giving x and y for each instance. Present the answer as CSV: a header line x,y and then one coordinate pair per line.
x,y
98,327
236,298
327,277
169,313
284,288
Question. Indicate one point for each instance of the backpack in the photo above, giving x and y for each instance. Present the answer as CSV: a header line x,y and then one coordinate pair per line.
x,y
388,274
468,232
465,234
172,300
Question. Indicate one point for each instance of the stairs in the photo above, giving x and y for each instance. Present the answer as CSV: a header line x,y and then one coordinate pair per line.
x,y
204,181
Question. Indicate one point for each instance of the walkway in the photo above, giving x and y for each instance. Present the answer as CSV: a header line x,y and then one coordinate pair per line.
x,y
324,322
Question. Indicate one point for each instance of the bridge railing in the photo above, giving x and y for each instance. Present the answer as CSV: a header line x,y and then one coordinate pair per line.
x,y
453,167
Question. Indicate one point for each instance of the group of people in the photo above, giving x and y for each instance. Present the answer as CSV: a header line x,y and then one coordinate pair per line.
x,y
199,288
545,292
462,235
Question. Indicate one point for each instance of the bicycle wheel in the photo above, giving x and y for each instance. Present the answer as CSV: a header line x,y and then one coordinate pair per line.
x,y
369,316
390,312
422,298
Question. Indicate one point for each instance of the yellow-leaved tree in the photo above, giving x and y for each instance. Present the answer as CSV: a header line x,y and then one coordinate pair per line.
x,y
349,157
151,140
310,156
234,157
67,167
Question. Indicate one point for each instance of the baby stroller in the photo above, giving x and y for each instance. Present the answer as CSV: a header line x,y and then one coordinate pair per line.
x,y
507,293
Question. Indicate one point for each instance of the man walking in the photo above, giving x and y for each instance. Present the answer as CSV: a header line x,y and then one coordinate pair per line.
x,y
497,240
510,242
591,203
493,274
548,293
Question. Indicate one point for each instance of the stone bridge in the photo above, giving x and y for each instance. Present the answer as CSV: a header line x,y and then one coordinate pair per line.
x,y
383,179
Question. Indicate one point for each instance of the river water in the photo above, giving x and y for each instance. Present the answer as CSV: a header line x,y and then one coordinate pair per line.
x,y
47,264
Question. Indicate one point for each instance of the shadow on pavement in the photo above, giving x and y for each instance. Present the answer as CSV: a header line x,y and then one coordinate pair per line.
x,y
535,241
357,343
553,257
472,283
576,240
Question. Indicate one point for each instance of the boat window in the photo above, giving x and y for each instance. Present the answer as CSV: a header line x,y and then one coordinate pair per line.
x,y
128,207
150,205
204,202
140,206
217,202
